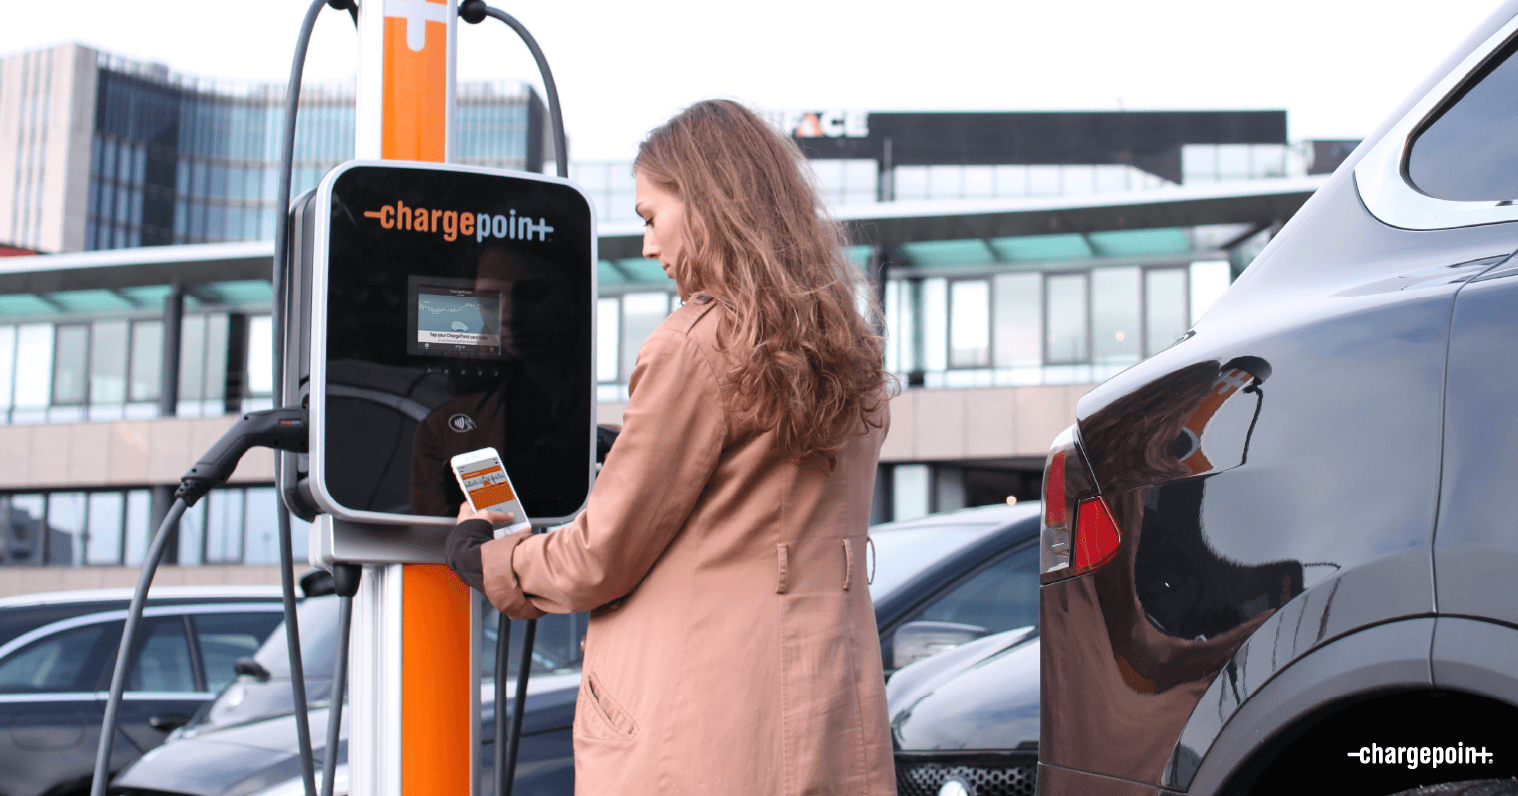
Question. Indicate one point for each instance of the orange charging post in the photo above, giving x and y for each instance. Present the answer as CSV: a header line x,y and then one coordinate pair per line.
x,y
415,704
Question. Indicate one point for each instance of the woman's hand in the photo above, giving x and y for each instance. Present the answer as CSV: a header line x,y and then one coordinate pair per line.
x,y
461,550
466,512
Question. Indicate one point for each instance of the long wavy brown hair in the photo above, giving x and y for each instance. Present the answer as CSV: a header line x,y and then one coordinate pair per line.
x,y
757,239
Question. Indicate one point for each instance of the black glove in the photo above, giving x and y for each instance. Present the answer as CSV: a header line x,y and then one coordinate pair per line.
x,y
462,551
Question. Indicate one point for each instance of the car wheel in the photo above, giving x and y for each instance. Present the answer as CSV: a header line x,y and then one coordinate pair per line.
x,y
1471,787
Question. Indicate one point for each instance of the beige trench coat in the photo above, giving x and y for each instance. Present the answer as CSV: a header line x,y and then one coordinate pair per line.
x,y
732,649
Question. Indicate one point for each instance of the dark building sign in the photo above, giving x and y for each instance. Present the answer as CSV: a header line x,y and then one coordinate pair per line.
x,y
1149,140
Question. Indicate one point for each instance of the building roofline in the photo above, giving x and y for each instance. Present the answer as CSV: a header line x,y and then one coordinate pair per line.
x,y
886,223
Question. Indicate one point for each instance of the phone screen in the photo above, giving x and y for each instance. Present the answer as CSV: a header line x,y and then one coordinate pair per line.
x,y
486,484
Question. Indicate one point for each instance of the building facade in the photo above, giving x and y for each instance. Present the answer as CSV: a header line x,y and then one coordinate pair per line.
x,y
100,152
1012,279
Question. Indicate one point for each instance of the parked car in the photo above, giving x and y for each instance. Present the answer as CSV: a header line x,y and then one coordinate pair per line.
x,y
969,716
1279,554
938,582
57,654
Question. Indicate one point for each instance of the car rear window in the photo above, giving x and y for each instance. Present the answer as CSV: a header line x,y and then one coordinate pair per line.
x,y
901,553
1468,152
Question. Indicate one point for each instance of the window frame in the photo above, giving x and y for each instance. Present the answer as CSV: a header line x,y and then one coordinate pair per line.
x,y
1381,176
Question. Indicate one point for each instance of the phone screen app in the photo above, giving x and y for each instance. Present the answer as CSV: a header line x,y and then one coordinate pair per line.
x,y
487,485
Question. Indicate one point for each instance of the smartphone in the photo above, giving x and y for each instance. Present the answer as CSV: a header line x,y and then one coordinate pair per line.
x,y
486,486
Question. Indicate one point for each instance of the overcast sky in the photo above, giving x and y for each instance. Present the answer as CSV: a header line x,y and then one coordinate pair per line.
x,y
1337,66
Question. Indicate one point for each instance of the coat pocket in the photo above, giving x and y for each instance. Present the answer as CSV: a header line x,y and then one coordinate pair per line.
x,y
607,710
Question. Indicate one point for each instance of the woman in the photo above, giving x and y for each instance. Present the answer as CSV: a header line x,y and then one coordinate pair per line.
x,y
732,645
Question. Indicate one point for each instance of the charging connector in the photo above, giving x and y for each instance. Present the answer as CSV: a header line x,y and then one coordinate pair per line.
x,y
281,429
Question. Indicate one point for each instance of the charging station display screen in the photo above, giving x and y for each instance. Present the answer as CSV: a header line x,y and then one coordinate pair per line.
x,y
452,318
457,316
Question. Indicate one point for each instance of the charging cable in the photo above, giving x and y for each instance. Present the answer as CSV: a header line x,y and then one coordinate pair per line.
x,y
282,429
280,285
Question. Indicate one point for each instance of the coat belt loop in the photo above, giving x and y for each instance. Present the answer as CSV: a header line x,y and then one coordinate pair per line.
x,y
785,557
848,563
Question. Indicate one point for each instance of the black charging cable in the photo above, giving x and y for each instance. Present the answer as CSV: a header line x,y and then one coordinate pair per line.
x,y
280,285
281,429
507,744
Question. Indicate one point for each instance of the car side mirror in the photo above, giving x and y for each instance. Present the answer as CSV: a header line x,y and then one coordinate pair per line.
x,y
914,641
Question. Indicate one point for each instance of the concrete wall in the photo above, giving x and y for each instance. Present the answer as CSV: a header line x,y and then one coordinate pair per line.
x,y
47,164
117,454
31,580
990,423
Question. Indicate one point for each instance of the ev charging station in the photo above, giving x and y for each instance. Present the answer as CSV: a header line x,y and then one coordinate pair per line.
x,y
434,309
429,309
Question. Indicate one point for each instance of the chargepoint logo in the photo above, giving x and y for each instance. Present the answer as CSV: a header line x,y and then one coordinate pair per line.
x,y
1414,756
452,223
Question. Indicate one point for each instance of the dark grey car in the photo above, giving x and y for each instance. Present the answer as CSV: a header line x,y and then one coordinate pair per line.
x,y
1278,556
57,652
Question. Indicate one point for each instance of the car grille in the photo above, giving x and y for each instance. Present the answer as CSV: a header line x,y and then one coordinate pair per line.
x,y
924,779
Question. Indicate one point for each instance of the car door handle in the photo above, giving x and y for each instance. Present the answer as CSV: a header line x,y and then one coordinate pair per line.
x,y
164,722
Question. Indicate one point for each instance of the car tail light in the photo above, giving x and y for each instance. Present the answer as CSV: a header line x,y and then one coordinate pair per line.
x,y
1096,536
1068,487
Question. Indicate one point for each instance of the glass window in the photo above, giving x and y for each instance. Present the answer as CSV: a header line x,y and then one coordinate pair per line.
x,y
909,491
260,355
1115,316
935,324
65,528
608,315
192,358
104,539
223,638
70,361
1043,180
261,527
1001,597
1065,319
138,529
192,534
1166,310
108,362
217,329
1019,320
1468,153
1233,161
7,365
641,315
147,360
163,665
224,525
55,664
23,529
970,324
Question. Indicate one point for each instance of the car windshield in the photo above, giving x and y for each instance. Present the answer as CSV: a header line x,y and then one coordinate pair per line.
x,y
318,632
902,551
